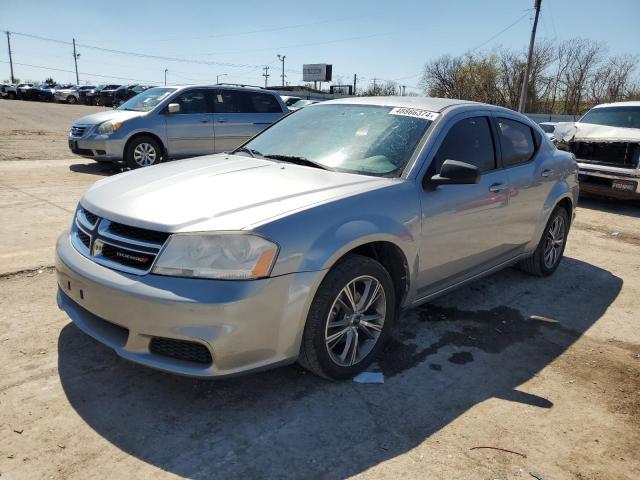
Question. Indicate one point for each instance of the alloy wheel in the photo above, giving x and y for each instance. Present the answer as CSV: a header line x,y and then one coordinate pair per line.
x,y
554,242
144,154
355,321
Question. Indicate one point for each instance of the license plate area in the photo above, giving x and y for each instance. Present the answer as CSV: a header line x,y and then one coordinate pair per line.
x,y
624,185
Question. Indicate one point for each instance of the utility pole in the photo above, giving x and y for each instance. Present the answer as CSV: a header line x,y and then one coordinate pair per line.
x,y
355,82
266,75
221,75
10,59
374,87
165,76
281,58
522,105
75,61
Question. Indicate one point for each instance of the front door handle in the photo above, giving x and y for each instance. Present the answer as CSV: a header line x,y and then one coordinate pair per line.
x,y
545,173
497,187
204,120
221,120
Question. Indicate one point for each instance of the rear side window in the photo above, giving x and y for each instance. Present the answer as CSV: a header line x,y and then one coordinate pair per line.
x,y
517,142
469,141
264,103
227,101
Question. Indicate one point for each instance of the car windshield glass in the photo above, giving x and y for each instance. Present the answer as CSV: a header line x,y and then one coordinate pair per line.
x,y
147,100
626,117
547,128
364,139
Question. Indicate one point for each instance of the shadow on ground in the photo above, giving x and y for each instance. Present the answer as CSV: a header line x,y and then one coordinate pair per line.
x,y
96,168
629,208
446,358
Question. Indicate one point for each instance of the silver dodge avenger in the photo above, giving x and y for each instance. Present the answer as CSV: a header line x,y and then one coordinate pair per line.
x,y
305,243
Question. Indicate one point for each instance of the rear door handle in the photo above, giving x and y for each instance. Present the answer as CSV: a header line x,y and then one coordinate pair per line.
x,y
545,173
221,120
204,120
497,187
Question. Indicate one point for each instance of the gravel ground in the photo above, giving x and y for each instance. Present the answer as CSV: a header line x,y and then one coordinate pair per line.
x,y
546,369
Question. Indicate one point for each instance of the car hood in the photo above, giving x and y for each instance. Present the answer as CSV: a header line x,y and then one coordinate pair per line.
x,y
218,192
97,118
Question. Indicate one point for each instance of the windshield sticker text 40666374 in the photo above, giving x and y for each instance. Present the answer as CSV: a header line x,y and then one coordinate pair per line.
x,y
414,112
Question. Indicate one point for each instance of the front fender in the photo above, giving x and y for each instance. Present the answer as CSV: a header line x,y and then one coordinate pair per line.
x,y
316,238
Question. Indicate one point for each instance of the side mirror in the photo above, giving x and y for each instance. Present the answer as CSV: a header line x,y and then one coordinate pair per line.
x,y
173,108
454,172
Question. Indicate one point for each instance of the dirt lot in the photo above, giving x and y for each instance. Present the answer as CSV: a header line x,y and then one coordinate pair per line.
x,y
546,368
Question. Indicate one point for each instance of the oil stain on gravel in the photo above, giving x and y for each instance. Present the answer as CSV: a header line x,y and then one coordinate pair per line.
x,y
492,331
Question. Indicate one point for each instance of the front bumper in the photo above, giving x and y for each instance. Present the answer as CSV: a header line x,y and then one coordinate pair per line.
x,y
605,181
245,325
98,147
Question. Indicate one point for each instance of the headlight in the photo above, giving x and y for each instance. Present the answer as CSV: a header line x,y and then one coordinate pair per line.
x,y
224,256
108,127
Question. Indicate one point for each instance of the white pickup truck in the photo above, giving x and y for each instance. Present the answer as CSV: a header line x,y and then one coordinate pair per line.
x,y
606,143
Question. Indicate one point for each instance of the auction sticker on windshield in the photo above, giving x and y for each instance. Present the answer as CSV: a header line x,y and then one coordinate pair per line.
x,y
414,112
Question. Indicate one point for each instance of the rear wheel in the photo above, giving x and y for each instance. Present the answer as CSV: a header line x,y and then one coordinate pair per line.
x,y
71,99
550,250
143,152
349,320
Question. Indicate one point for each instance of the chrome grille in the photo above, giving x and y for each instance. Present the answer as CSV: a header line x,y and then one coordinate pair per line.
x,y
115,245
78,130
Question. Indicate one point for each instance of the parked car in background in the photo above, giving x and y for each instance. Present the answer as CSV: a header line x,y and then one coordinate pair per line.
x,y
301,104
90,96
126,92
307,241
105,96
45,93
67,93
175,122
289,99
606,143
8,91
25,91
548,128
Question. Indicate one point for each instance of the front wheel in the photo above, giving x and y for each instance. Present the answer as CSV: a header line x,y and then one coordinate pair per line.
x,y
349,320
550,250
143,152
71,99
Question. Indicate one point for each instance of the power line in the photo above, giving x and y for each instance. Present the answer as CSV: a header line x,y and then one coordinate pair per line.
x,y
43,67
264,30
301,45
501,31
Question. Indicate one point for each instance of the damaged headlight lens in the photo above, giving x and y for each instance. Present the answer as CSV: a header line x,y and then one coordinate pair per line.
x,y
108,127
223,256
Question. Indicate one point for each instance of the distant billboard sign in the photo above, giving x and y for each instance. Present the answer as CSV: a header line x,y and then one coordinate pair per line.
x,y
341,89
316,72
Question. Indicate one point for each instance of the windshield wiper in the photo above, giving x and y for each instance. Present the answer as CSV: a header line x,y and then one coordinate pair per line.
x,y
253,153
298,161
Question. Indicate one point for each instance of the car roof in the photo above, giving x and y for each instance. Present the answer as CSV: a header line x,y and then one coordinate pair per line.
x,y
224,87
619,104
433,104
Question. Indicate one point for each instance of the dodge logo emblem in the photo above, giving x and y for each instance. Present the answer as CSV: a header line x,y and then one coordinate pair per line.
x,y
96,250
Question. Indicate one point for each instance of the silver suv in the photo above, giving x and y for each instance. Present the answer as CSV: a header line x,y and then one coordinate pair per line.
x,y
175,122
306,242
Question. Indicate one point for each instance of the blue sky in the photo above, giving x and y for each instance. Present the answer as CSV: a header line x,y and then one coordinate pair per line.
x,y
386,40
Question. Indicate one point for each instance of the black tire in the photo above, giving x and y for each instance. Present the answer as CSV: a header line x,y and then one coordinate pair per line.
x,y
11,95
315,354
131,156
72,100
536,264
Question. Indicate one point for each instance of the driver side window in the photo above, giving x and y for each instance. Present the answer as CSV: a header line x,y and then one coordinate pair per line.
x,y
470,141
